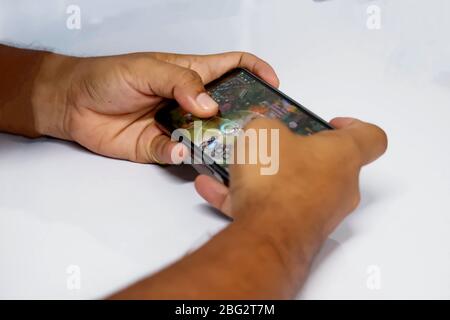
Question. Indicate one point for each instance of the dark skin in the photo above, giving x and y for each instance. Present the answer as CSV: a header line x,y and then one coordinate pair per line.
x,y
104,103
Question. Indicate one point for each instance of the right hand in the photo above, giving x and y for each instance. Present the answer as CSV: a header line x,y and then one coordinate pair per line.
x,y
316,186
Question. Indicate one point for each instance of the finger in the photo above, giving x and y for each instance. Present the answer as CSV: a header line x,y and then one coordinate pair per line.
x,y
341,122
211,67
162,150
167,80
370,140
214,192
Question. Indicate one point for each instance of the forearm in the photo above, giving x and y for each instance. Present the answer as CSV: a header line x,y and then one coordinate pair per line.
x,y
251,259
19,69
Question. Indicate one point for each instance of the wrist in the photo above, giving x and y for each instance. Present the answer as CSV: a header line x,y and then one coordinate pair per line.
x,y
293,233
49,98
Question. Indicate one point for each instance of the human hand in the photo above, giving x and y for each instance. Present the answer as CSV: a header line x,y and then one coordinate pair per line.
x,y
107,104
316,186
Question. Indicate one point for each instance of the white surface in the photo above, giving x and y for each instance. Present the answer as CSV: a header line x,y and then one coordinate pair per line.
x,y
117,221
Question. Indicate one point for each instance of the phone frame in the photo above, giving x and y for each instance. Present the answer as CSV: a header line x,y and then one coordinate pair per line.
x,y
213,168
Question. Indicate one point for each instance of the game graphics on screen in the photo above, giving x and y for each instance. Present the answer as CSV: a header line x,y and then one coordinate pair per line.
x,y
241,98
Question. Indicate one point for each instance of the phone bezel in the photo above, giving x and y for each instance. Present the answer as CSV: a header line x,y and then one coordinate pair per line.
x,y
163,115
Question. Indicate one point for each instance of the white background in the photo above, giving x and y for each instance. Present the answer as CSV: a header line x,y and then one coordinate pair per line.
x,y
116,221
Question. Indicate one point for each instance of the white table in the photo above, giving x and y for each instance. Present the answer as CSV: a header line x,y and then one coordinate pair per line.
x,y
69,215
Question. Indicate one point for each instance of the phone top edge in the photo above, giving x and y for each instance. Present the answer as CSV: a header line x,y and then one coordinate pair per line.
x,y
285,96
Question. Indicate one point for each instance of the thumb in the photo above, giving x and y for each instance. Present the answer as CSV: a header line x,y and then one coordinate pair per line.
x,y
214,192
175,82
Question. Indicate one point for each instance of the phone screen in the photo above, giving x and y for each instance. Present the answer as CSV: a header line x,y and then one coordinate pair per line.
x,y
242,97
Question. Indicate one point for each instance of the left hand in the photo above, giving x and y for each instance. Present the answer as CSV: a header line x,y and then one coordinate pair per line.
x,y
107,104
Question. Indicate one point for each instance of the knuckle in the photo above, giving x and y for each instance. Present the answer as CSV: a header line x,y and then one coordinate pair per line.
x,y
160,56
189,76
349,143
243,56
139,59
243,53
350,150
247,54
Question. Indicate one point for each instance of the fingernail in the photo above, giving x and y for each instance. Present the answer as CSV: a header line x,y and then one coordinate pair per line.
x,y
206,102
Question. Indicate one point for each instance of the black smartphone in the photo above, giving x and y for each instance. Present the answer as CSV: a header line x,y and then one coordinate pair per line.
x,y
242,97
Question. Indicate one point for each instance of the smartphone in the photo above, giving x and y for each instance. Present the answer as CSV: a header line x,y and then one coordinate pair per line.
x,y
242,97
